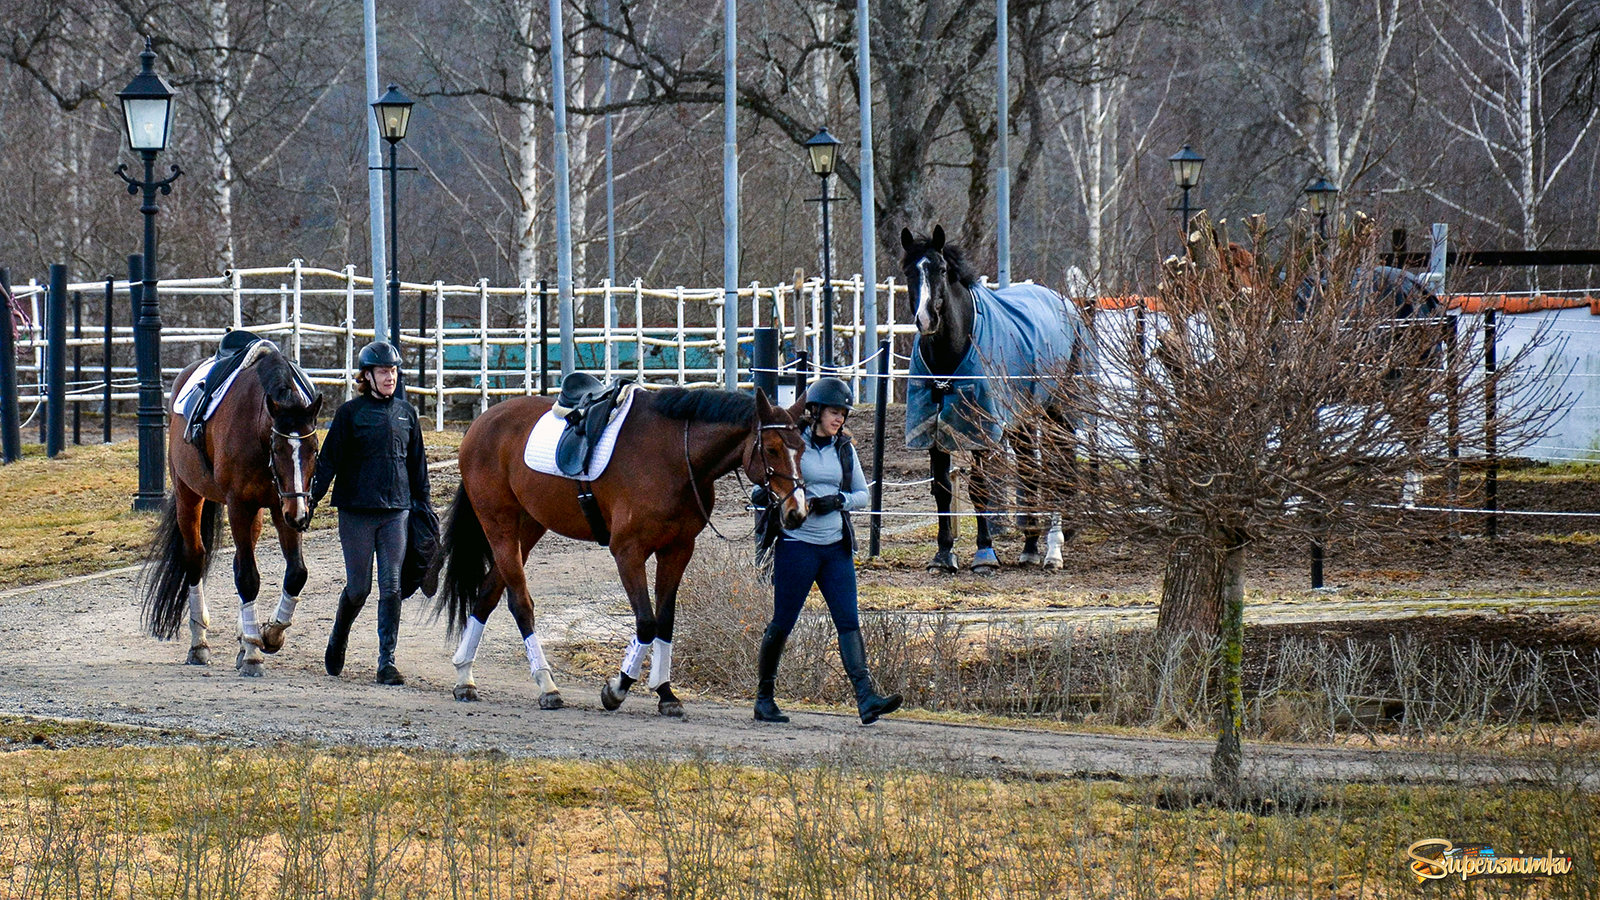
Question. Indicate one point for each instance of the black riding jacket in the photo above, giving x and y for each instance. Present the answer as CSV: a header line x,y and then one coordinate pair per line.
x,y
373,455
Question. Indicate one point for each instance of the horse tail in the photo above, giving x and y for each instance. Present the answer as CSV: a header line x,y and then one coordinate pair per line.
x,y
467,559
165,579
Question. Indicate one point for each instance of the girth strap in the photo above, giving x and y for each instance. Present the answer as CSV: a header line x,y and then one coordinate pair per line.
x,y
591,514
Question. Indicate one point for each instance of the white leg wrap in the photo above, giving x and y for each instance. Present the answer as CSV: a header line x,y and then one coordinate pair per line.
x,y
1412,491
470,636
633,660
1052,544
536,660
660,663
286,605
199,616
247,623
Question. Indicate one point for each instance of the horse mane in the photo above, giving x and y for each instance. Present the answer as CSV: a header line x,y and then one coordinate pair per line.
x,y
703,405
956,265
959,269
278,381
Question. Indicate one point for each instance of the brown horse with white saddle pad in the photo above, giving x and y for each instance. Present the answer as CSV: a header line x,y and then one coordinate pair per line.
x,y
651,482
257,451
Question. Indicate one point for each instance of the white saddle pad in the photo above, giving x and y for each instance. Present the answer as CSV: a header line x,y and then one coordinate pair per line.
x,y
190,394
540,453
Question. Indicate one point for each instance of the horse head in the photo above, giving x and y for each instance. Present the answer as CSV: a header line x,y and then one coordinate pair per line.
x,y
939,285
292,454
773,459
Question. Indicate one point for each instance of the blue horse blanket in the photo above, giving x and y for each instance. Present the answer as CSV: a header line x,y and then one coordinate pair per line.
x,y
1024,332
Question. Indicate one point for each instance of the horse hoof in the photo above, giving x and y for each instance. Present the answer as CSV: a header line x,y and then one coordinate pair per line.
x,y
272,637
984,570
610,698
199,656
1029,559
551,700
466,693
943,561
985,562
1052,564
673,708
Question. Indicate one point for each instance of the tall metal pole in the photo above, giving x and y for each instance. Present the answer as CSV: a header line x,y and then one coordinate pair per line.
x,y
380,301
558,97
827,284
730,195
147,335
869,207
1186,211
394,253
611,193
1002,188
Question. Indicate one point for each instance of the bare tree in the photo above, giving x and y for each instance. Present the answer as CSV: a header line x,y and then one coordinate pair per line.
x,y
1283,401
1506,57
932,62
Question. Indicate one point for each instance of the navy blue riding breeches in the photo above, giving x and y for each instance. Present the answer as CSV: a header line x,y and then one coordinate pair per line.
x,y
798,565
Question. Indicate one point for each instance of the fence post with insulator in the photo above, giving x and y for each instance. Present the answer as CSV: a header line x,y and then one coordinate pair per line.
x,y
56,363
10,424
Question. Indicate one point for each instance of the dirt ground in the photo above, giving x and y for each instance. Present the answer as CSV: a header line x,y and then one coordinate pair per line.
x,y
74,650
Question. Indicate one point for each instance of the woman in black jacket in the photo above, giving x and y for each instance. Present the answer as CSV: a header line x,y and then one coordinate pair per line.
x,y
374,458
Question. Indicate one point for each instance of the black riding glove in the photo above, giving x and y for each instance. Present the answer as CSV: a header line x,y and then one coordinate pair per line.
x,y
824,505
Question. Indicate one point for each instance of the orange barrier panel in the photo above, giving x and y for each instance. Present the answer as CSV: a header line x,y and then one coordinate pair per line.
x,y
1474,304
1514,304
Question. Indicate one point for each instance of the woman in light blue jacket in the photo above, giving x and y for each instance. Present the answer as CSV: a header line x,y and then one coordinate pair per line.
x,y
821,552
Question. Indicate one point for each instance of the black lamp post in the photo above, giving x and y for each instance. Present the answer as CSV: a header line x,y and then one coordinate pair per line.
x,y
1186,166
1320,195
146,117
393,110
824,148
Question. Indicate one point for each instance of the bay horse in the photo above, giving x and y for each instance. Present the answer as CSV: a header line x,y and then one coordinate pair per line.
x,y
976,349
655,496
259,450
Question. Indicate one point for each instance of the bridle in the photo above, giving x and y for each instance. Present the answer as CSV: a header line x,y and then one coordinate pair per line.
x,y
277,484
749,453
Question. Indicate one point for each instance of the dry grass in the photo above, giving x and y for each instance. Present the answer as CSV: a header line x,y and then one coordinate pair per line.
x,y
70,515
294,821
73,515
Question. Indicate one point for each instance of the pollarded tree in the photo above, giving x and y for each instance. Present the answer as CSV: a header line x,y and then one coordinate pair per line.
x,y
1279,400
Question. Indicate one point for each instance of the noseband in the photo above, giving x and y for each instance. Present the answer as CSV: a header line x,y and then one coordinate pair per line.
x,y
277,484
766,462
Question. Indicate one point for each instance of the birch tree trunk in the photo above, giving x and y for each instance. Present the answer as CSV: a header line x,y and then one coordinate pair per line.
x,y
527,176
221,185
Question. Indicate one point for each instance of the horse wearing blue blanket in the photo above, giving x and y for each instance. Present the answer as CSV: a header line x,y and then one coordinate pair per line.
x,y
977,353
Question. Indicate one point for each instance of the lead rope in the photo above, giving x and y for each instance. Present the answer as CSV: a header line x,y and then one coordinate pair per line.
x,y
695,489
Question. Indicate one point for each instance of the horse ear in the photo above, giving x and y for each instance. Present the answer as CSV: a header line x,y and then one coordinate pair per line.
x,y
938,237
907,239
316,407
763,405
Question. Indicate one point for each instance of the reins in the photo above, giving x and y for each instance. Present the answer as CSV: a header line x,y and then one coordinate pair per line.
x,y
765,464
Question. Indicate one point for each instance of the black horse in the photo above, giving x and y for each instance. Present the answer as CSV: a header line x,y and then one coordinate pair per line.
x,y
977,351
1375,290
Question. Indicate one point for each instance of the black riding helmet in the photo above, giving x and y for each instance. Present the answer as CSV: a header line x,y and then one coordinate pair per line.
x,y
830,392
379,354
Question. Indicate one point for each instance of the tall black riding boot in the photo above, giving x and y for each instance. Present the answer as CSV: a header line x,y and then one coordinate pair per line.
x,y
340,636
868,701
767,675
388,636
